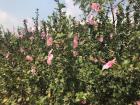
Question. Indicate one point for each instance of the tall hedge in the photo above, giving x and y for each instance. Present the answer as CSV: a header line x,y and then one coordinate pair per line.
x,y
75,75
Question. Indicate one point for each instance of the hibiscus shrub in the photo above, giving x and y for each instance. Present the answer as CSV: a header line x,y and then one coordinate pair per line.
x,y
67,62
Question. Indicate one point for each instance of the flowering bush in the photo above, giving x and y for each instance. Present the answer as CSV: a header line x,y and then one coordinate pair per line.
x,y
69,63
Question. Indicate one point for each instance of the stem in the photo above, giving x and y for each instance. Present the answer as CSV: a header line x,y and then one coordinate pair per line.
x,y
113,17
59,9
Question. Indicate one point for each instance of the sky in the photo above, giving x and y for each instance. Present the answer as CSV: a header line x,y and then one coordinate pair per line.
x,y
12,12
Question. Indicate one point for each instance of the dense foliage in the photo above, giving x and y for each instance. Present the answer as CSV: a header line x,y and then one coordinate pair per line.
x,y
75,75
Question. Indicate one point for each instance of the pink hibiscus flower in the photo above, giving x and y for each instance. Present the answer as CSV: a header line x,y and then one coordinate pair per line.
x,y
90,18
50,57
138,102
29,58
95,6
100,38
109,64
49,40
75,41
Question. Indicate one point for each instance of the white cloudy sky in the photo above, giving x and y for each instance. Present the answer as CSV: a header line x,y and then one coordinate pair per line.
x,y
12,12
71,9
